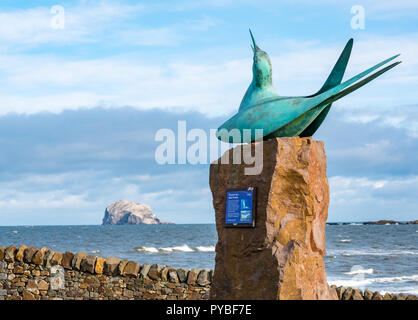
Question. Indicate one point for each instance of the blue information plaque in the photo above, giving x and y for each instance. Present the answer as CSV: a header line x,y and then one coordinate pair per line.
x,y
240,207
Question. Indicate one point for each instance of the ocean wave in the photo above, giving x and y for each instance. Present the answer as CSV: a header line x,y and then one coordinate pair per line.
x,y
362,282
147,249
206,249
183,248
360,271
407,290
344,240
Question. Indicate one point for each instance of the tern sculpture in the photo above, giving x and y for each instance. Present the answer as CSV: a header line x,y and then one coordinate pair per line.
x,y
282,116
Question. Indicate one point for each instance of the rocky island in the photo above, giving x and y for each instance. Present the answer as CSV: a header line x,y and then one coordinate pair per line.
x,y
127,212
380,222
386,222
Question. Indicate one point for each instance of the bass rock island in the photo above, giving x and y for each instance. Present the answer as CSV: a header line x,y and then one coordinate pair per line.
x,y
127,212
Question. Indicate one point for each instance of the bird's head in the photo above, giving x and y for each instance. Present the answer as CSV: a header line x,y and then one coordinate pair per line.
x,y
261,65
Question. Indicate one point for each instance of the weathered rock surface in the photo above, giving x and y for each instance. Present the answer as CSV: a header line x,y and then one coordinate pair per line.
x,y
282,257
56,258
48,258
39,256
20,252
88,264
99,265
126,212
67,259
182,274
29,253
131,268
155,272
76,262
9,254
2,250
111,266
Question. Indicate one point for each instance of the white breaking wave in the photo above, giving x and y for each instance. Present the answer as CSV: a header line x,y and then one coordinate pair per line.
x,y
344,240
406,290
360,271
206,249
183,248
147,249
355,283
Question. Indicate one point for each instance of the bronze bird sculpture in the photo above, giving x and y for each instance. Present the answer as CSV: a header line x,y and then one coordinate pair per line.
x,y
282,116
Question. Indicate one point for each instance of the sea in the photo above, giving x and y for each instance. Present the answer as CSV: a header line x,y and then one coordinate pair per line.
x,y
381,258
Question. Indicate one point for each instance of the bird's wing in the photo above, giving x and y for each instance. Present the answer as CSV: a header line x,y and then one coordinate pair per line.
x,y
337,73
347,87
334,79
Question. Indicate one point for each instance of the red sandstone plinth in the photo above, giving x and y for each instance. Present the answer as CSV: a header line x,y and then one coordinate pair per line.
x,y
283,256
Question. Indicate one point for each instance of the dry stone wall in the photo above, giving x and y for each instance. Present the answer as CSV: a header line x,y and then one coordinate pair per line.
x,y
29,273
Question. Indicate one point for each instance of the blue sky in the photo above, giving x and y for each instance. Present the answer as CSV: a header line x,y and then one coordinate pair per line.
x,y
79,106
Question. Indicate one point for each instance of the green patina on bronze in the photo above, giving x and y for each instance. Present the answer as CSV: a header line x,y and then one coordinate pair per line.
x,y
281,116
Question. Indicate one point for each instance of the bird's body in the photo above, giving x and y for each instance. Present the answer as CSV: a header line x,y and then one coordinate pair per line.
x,y
281,116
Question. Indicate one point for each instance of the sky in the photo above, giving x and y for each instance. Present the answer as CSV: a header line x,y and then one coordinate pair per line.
x,y
86,85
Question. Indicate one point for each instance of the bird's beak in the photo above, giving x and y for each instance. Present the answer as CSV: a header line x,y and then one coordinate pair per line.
x,y
254,46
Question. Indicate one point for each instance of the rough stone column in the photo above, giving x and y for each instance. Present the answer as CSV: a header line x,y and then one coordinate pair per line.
x,y
282,257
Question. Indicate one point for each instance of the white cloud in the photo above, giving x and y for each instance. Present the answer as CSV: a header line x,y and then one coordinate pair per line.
x,y
359,199
109,22
378,152
401,117
371,5
391,5
48,83
363,189
33,26
171,35
45,200
89,192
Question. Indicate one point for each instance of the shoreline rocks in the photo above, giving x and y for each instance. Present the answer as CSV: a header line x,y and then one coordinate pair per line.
x,y
386,222
380,222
